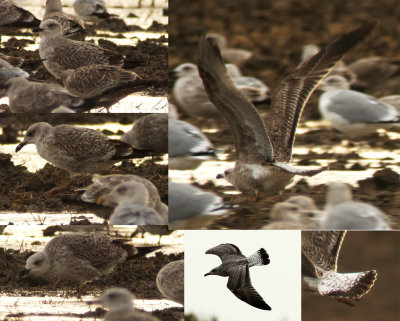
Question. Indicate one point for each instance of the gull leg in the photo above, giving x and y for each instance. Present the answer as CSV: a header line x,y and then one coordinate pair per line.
x,y
59,188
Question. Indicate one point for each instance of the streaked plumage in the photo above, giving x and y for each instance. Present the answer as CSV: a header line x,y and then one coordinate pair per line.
x,y
262,152
12,15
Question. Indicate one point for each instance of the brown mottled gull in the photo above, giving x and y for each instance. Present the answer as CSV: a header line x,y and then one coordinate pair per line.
x,y
77,149
72,26
81,257
132,199
102,185
10,14
93,80
263,152
14,61
170,281
149,132
90,10
120,305
236,267
33,97
61,53
320,252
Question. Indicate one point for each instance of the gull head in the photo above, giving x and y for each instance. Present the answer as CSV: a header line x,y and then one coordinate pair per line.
x,y
115,299
334,82
33,134
128,191
37,264
49,27
186,69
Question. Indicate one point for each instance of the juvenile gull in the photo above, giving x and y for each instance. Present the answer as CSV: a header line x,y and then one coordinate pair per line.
x,y
190,95
34,97
236,266
72,26
93,80
320,252
120,305
352,112
10,14
233,55
263,152
90,10
190,207
133,205
149,132
290,216
81,257
61,53
78,150
188,146
170,281
103,185
342,213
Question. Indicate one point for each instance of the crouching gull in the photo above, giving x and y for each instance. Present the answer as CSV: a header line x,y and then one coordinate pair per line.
x,y
320,251
236,266
262,151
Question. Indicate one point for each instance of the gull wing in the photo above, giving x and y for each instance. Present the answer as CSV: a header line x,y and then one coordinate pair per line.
x,y
240,284
248,129
291,95
322,248
224,250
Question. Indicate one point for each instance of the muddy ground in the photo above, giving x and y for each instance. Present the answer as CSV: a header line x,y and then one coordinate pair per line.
x,y
23,191
276,31
151,56
138,275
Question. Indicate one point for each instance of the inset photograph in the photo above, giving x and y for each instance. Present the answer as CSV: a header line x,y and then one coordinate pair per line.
x,y
350,276
242,275
73,56
61,169
90,273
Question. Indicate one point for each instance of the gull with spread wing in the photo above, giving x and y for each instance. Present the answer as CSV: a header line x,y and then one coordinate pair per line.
x,y
263,151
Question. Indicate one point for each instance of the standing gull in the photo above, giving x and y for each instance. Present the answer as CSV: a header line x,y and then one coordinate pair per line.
x,y
90,10
10,14
120,305
237,267
263,152
188,146
103,185
320,252
78,150
133,205
149,132
93,80
170,281
190,207
72,27
60,53
81,257
33,97
352,112
342,213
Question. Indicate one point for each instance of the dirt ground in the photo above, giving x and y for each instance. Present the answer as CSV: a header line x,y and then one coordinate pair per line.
x,y
151,55
363,251
275,32
138,275
23,191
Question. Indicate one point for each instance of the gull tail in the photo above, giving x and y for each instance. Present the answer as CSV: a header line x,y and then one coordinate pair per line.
x,y
261,257
347,285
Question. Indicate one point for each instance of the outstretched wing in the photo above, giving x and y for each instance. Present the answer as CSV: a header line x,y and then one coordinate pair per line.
x,y
248,129
322,248
224,250
292,93
240,284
